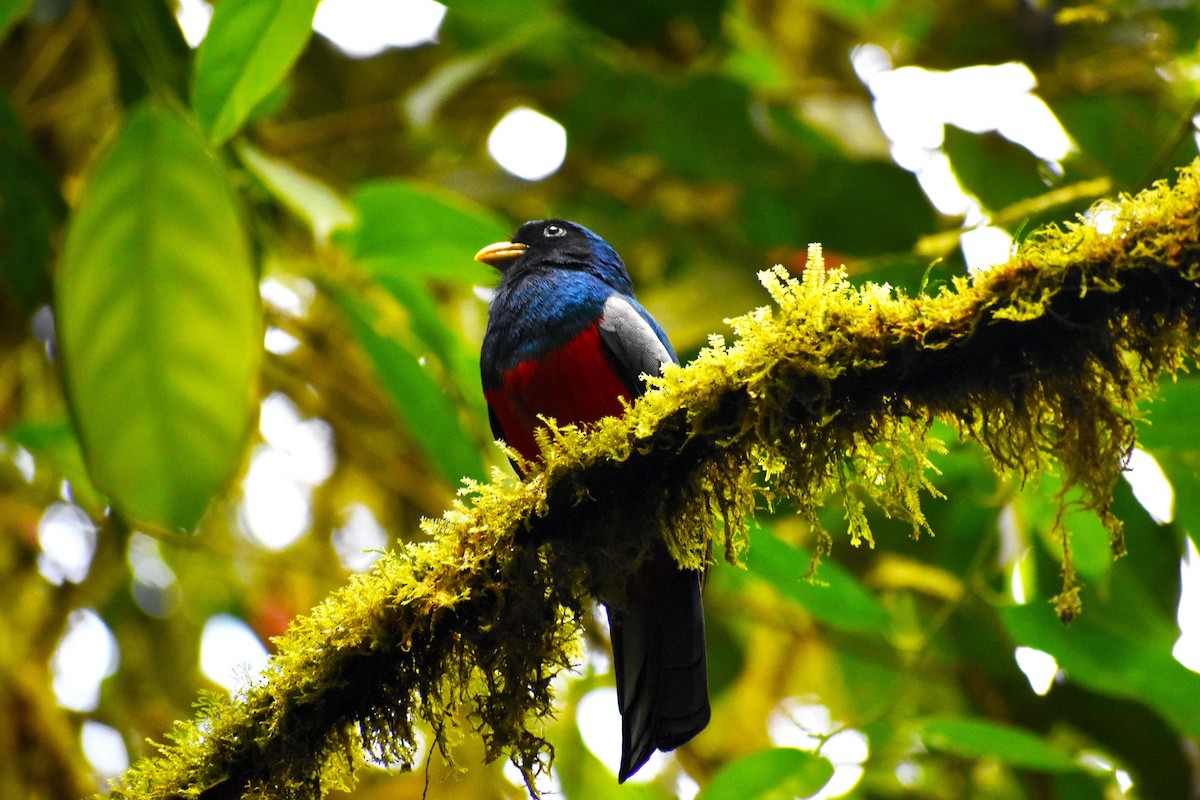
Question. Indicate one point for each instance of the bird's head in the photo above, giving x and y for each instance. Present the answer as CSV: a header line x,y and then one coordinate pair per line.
x,y
558,244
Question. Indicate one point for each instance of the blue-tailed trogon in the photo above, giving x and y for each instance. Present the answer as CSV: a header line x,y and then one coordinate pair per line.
x,y
566,339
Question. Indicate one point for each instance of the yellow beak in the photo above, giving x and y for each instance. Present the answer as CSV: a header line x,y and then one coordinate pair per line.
x,y
500,252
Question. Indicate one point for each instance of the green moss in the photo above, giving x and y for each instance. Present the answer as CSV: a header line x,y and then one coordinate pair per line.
x,y
1041,361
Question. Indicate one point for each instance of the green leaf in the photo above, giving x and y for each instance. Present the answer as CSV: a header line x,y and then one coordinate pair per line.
x,y
977,738
250,46
30,208
431,417
11,12
159,322
421,232
147,46
995,170
322,208
780,773
854,12
1123,134
841,601
1119,663
1171,422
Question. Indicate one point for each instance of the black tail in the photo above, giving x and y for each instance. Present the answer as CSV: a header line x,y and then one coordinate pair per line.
x,y
660,662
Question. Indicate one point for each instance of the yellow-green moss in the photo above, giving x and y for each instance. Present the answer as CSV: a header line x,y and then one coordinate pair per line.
x,y
832,389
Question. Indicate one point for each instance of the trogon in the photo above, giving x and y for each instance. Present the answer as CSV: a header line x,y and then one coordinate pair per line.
x,y
566,339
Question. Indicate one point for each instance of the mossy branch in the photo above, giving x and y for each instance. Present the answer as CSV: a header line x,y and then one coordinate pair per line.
x,y
1041,361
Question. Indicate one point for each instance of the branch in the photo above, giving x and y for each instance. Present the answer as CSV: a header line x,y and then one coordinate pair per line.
x,y
1041,361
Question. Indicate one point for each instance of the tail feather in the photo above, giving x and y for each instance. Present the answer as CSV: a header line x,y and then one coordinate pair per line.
x,y
660,662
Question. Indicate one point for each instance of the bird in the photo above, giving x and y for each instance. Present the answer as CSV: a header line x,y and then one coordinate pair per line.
x,y
567,339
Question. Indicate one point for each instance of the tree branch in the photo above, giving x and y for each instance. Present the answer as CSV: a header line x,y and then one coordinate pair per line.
x,y
1041,361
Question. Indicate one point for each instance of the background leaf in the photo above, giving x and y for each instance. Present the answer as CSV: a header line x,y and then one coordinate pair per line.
x,y
1113,662
834,597
250,46
159,322
780,773
981,737
418,232
322,208
11,12
430,416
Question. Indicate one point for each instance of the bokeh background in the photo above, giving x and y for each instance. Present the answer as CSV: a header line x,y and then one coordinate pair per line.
x,y
356,169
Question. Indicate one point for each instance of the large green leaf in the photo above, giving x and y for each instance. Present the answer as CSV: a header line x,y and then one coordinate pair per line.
x,y
159,322
250,46
780,773
979,737
432,417
837,599
420,232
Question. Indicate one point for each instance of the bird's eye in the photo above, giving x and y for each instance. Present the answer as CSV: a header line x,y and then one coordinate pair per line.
x,y
551,231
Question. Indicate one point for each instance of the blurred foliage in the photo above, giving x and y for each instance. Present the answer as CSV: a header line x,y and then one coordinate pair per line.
x,y
706,142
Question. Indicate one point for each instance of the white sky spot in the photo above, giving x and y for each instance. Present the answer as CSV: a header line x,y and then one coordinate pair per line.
x,y
1187,649
231,655
1098,763
546,784
1020,593
1040,668
799,722
914,104
1103,217
154,584
193,17
909,774
937,179
686,787
528,144
308,443
365,28
986,247
86,654
146,562
293,298
104,748
280,342
276,509
24,462
277,490
1012,541
67,537
290,295
1150,486
359,540
600,726
1124,781
599,659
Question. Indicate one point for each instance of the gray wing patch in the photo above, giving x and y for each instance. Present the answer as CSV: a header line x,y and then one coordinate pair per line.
x,y
633,342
